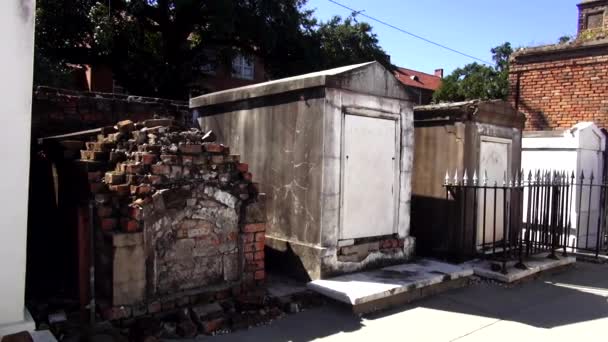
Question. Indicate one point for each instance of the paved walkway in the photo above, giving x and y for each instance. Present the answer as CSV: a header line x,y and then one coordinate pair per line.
x,y
571,305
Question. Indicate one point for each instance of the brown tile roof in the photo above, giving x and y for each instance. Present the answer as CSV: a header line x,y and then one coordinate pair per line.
x,y
417,79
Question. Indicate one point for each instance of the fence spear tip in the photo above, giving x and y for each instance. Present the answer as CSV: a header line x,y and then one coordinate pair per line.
x,y
475,177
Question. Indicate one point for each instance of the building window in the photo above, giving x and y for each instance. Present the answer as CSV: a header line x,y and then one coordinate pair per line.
x,y
595,20
242,67
209,64
208,68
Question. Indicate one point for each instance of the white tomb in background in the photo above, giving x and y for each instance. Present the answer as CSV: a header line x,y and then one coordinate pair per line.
x,y
578,150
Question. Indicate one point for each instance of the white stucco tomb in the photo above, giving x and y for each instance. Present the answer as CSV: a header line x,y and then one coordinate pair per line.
x,y
16,64
577,150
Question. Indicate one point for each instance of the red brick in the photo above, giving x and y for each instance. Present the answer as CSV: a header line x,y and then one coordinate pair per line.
x,y
104,211
155,179
140,190
125,126
242,167
248,176
130,225
217,159
249,247
96,146
114,177
255,265
258,255
120,189
254,227
250,256
249,238
116,312
108,224
168,305
161,169
214,148
191,148
259,275
169,159
259,246
97,187
95,176
260,237
148,158
232,236
187,160
220,295
134,179
136,212
93,155
154,307
212,325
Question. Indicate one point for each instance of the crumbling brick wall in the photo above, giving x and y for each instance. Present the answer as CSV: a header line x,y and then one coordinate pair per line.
x,y
177,216
357,250
560,88
59,111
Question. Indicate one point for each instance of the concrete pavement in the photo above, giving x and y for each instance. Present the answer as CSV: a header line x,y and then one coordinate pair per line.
x,y
570,305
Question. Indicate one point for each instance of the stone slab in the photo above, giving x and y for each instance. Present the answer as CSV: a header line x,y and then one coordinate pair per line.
x,y
280,286
42,336
363,287
27,324
535,264
590,257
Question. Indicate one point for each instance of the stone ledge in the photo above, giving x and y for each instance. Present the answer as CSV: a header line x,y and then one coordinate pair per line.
x,y
365,287
535,264
27,324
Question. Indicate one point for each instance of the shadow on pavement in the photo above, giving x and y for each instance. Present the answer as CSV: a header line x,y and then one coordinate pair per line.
x,y
575,295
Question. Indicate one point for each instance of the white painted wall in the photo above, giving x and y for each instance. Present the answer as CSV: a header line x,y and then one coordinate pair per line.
x,y
579,149
16,62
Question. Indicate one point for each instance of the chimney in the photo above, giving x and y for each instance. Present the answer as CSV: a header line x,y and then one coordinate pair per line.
x,y
592,15
439,73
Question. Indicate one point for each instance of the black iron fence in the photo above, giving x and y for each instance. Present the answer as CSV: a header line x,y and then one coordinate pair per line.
x,y
545,211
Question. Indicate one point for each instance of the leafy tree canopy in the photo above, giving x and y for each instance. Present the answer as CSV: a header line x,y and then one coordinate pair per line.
x,y
477,81
157,47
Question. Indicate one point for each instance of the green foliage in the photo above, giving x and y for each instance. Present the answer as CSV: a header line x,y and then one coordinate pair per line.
x,y
564,39
476,81
344,42
157,47
61,27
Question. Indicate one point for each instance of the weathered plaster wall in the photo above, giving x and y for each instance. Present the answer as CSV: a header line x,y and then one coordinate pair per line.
x,y
437,149
449,138
17,36
282,137
293,141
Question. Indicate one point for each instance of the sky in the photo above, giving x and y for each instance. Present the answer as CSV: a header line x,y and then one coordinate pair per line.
x,y
471,26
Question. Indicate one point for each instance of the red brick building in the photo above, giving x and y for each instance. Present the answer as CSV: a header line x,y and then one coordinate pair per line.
x,y
422,84
559,85
243,72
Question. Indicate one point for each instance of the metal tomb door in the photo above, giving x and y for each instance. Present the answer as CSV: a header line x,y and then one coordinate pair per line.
x,y
370,176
